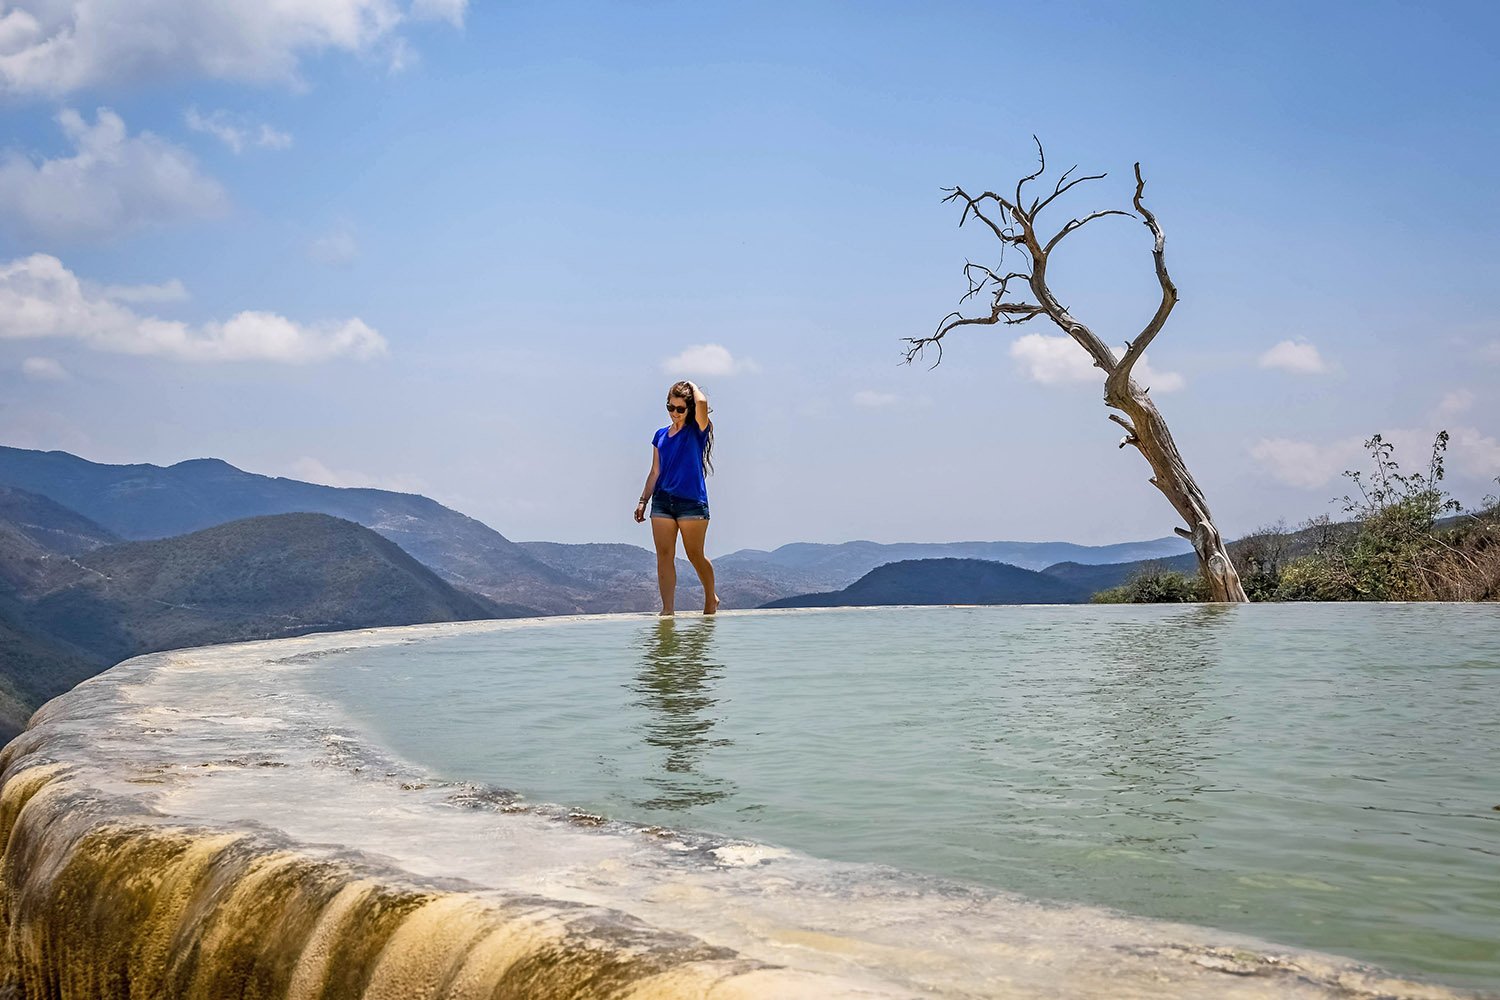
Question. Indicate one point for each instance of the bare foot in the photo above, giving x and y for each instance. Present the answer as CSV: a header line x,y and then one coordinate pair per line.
x,y
664,614
711,606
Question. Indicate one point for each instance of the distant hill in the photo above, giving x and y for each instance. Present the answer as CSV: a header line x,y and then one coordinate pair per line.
x,y
833,566
259,578
37,537
140,502
1106,575
624,577
263,577
49,524
944,581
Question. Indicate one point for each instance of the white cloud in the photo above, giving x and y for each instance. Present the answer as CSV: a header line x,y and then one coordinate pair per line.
x,y
336,248
451,11
875,400
1455,402
235,131
167,291
112,184
1058,360
1054,360
1473,454
1306,464
1157,382
40,298
43,370
56,47
1490,351
708,359
1296,356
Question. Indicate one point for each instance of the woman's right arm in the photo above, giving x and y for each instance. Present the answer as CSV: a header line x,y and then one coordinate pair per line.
x,y
650,487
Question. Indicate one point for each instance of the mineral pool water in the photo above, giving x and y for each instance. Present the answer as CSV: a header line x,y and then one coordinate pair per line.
x,y
1326,776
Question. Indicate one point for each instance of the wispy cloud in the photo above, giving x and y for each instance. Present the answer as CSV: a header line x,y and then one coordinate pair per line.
x,y
1473,456
171,290
57,47
336,248
44,370
451,11
1455,402
1306,464
871,399
114,183
236,131
40,298
708,359
1296,356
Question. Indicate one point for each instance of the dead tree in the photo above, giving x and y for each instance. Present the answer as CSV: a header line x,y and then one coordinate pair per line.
x,y
1014,224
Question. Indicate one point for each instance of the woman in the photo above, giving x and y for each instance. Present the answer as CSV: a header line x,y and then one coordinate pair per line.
x,y
681,453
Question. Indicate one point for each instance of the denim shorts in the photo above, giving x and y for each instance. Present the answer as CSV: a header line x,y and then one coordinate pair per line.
x,y
678,508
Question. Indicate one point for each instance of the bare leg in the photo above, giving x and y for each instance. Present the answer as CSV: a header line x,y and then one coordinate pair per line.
x,y
693,535
664,534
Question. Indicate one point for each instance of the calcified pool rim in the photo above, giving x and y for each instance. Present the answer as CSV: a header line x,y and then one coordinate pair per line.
x,y
157,820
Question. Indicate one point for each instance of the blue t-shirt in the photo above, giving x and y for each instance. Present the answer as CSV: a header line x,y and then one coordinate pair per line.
x,y
681,455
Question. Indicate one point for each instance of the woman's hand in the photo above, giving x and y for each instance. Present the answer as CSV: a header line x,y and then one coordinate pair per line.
x,y
640,511
699,403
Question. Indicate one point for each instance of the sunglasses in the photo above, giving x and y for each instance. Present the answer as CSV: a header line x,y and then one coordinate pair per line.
x,y
677,409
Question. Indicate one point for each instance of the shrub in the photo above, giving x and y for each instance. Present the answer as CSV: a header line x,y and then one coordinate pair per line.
x,y
1400,548
1155,584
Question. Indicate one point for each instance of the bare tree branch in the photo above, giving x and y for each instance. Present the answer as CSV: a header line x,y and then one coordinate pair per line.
x,y
1077,224
1130,435
971,207
1009,313
1041,169
990,279
1138,346
1062,189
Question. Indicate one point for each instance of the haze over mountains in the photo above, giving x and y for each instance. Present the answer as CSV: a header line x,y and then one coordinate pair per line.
x,y
148,501
102,562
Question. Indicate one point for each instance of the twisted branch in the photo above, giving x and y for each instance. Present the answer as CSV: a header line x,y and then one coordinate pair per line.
x,y
1137,347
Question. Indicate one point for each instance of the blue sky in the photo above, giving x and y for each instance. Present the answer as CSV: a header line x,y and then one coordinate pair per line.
x,y
462,249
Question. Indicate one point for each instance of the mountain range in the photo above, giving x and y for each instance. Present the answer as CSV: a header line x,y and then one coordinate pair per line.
x,y
101,562
74,599
147,501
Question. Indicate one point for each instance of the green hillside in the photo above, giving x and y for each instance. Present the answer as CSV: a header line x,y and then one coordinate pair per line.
x,y
66,617
140,502
943,581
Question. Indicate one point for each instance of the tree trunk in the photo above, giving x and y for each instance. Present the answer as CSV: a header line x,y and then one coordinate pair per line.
x,y
1170,475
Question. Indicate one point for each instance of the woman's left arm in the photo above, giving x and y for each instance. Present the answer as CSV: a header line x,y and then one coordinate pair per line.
x,y
701,399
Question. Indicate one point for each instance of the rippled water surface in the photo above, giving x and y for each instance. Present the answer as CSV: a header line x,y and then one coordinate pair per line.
x,y
1324,776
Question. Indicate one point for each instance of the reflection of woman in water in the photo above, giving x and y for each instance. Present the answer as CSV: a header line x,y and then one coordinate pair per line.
x,y
675,683
681,453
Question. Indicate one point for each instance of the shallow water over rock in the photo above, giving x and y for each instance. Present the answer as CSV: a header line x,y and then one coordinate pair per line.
x,y
197,824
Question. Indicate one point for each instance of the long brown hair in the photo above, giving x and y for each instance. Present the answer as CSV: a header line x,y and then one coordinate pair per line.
x,y
684,391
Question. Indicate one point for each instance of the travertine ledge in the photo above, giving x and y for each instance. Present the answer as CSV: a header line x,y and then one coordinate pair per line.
x,y
184,827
